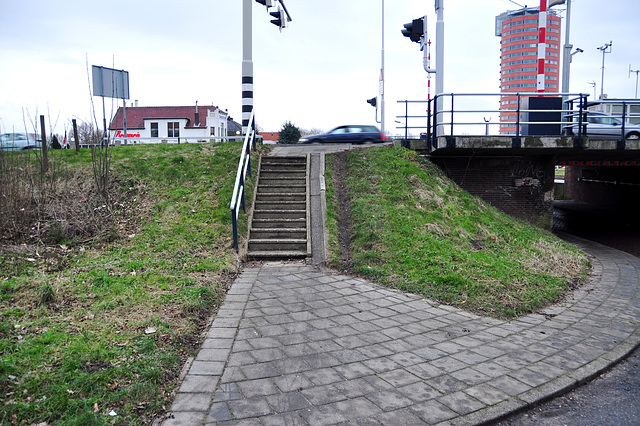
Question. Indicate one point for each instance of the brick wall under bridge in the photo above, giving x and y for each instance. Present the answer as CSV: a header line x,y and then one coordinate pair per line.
x,y
520,180
519,186
604,184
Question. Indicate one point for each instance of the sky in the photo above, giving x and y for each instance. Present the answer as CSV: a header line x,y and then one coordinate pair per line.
x,y
317,73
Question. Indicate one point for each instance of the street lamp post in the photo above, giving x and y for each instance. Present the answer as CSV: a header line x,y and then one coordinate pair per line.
x,y
566,54
604,50
636,71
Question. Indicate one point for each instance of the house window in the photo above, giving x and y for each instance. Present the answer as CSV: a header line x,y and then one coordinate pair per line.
x,y
173,129
154,130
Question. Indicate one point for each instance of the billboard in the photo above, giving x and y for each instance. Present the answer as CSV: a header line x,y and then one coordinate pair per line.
x,y
110,83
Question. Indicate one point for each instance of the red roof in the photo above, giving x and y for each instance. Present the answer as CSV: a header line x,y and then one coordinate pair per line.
x,y
270,136
137,115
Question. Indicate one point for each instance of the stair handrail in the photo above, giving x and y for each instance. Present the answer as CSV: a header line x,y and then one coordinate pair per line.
x,y
244,167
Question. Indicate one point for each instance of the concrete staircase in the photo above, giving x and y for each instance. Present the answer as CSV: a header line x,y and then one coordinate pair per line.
x,y
279,225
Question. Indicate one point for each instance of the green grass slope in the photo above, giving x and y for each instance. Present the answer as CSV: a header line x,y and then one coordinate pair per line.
x,y
415,230
105,322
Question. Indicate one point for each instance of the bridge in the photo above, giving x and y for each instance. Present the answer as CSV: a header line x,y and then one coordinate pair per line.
x,y
509,156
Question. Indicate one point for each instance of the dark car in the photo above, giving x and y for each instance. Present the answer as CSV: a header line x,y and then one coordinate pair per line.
x,y
348,134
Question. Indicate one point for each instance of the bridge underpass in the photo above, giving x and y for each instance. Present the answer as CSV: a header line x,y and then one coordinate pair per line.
x,y
599,176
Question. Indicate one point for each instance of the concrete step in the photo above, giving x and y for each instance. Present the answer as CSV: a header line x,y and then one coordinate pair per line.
x,y
277,244
288,165
280,205
282,181
273,197
280,223
280,214
283,174
277,255
278,189
284,160
278,233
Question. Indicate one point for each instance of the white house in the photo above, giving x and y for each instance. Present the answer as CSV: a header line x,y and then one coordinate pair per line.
x,y
170,124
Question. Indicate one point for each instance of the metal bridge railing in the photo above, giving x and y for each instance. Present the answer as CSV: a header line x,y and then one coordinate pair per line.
x,y
244,168
474,114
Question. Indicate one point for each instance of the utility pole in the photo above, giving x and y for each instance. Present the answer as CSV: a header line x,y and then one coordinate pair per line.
x,y
636,71
604,50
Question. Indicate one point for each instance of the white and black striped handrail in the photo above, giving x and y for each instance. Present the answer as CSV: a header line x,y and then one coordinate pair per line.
x,y
244,167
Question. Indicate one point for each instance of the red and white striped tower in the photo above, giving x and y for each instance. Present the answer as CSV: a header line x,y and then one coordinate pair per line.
x,y
542,43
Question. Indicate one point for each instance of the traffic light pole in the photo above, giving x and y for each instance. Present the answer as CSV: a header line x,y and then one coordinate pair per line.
x,y
247,64
439,56
382,77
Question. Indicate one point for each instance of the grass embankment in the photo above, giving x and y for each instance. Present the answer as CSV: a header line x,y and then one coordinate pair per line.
x,y
105,323
415,230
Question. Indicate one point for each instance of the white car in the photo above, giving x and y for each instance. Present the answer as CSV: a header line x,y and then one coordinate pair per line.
x,y
603,126
18,142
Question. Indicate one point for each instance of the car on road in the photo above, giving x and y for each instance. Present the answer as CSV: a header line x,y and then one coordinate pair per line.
x,y
603,126
18,142
348,134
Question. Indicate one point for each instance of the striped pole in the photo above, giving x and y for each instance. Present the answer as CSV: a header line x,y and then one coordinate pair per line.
x,y
429,70
542,43
247,64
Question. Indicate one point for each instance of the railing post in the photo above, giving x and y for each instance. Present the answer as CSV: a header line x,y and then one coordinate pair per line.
x,y
622,143
429,133
234,221
434,119
517,142
577,142
406,121
242,194
452,98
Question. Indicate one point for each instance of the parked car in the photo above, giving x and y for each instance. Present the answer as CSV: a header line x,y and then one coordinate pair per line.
x,y
18,142
348,134
603,126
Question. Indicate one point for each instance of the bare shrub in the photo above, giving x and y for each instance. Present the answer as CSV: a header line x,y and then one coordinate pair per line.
x,y
51,208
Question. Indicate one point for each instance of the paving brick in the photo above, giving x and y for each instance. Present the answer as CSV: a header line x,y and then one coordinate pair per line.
x,y
399,377
389,400
199,384
419,392
461,402
432,412
250,407
191,402
260,387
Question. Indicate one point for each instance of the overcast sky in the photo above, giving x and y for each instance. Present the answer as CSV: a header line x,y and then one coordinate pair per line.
x,y
318,73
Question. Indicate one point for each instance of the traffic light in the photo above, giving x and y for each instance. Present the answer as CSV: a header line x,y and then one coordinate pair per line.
x,y
373,101
414,30
280,18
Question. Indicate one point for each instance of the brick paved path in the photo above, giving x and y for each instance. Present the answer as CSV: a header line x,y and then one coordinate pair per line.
x,y
293,344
